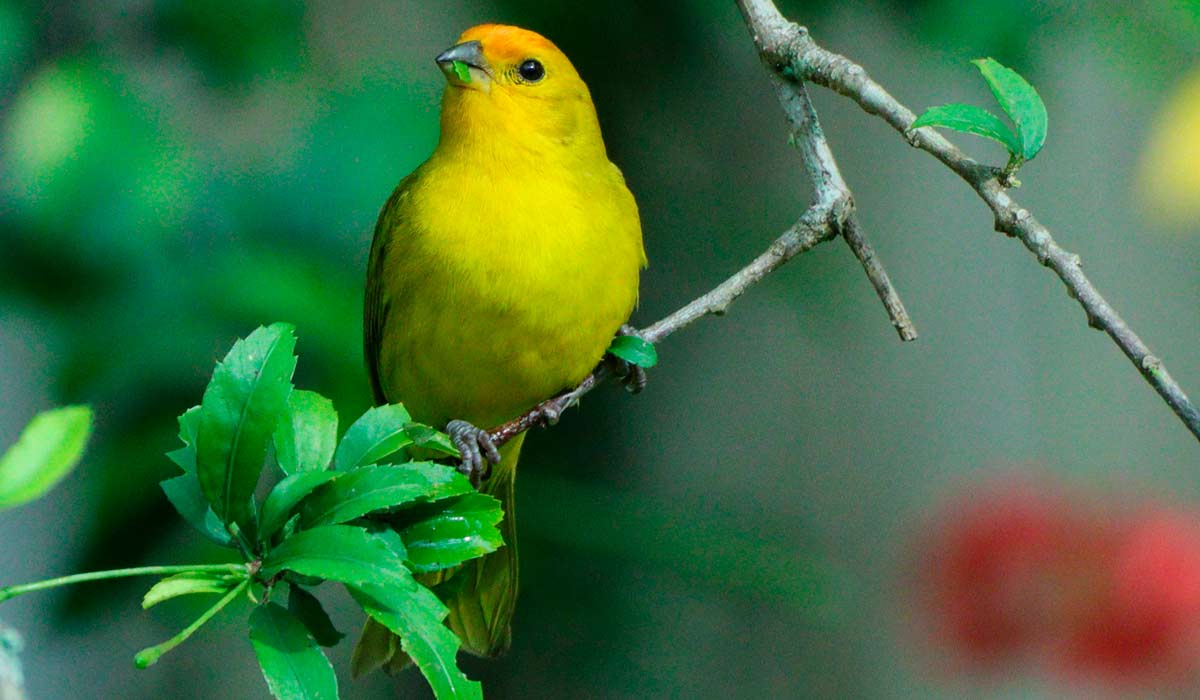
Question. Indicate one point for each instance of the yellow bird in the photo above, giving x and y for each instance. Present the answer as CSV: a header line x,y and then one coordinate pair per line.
x,y
501,269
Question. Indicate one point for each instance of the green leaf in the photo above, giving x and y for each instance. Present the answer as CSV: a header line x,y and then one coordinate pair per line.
x,y
388,535
293,664
368,489
307,435
48,448
463,529
972,120
282,500
1020,101
342,553
308,610
184,493
462,70
242,405
189,427
189,583
415,614
376,434
432,440
634,350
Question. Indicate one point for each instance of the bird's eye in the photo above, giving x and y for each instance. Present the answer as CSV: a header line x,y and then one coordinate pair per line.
x,y
532,70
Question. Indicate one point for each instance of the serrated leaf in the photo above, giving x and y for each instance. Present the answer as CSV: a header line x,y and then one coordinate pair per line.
x,y
305,607
971,120
1020,101
307,435
634,350
463,529
378,433
365,490
47,450
415,614
294,666
189,427
342,553
184,493
427,438
388,535
242,405
284,497
189,583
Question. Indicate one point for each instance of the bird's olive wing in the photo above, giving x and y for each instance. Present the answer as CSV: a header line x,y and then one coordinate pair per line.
x,y
375,307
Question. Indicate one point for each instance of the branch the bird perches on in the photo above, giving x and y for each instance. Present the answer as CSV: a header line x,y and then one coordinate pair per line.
x,y
831,215
793,60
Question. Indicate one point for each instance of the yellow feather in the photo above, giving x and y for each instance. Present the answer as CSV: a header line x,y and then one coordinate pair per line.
x,y
501,268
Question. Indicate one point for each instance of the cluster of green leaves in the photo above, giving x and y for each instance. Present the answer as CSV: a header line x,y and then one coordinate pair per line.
x,y
1020,102
359,512
48,448
263,473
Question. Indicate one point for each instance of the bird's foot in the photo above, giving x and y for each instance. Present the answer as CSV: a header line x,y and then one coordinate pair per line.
x,y
631,375
478,451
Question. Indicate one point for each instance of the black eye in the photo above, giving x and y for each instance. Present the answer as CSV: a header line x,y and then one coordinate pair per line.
x,y
532,70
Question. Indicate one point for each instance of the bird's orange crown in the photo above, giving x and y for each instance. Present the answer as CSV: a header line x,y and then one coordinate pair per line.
x,y
505,43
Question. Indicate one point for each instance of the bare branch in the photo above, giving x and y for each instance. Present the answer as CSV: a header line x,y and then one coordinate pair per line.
x,y
828,183
793,54
831,215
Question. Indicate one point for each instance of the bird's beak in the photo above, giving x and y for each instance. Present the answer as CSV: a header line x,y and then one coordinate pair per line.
x,y
465,66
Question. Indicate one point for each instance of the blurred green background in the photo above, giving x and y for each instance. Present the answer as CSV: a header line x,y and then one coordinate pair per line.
x,y
173,174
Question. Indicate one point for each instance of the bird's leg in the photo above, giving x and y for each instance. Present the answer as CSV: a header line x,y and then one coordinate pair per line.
x,y
632,376
478,451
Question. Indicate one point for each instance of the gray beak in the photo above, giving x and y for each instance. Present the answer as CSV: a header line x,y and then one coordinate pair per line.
x,y
472,55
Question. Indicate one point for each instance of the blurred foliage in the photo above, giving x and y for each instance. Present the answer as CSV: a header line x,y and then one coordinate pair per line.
x,y
48,449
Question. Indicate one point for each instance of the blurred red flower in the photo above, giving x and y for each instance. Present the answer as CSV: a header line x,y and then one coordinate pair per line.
x,y
989,564
1023,572
1145,621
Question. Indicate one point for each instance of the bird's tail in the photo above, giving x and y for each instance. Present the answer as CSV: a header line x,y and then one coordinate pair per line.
x,y
480,594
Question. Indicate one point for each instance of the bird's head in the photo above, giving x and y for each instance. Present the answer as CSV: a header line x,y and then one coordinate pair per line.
x,y
505,82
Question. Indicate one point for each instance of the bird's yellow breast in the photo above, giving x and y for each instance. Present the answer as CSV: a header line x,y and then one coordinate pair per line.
x,y
503,280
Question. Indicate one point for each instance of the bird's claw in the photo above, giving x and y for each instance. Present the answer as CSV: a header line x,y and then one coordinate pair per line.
x,y
631,375
635,379
478,451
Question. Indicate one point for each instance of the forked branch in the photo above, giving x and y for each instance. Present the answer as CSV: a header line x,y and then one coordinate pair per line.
x,y
789,50
832,214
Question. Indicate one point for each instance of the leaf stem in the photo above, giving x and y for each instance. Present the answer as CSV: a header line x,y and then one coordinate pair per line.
x,y
148,656
1008,177
14,591
243,543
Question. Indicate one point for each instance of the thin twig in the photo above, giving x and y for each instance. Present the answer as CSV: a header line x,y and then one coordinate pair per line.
x,y
853,235
793,54
828,182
